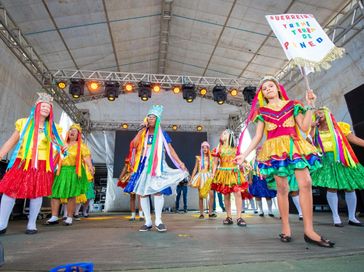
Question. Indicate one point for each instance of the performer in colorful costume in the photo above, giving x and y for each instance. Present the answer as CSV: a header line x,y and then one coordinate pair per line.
x,y
285,152
228,177
341,169
71,180
123,182
30,170
151,174
202,177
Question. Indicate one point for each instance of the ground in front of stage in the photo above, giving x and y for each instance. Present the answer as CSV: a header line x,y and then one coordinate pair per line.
x,y
113,243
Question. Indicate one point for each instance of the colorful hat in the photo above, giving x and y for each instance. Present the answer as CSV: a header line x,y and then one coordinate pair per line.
x,y
156,110
44,97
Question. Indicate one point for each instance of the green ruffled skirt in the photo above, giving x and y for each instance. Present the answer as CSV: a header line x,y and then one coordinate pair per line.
x,y
67,184
334,175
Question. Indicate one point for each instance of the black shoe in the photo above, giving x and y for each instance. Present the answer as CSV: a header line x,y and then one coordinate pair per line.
x,y
339,225
240,222
223,210
271,214
351,223
261,214
86,215
131,219
161,228
285,238
322,243
76,217
201,216
213,215
145,228
255,212
3,231
31,231
242,211
300,217
141,218
185,211
66,224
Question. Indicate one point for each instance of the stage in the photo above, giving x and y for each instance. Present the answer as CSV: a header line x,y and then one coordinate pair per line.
x,y
113,243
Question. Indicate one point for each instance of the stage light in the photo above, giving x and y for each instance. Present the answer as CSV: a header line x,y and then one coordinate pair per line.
x,y
112,90
76,88
249,93
219,93
93,86
199,128
125,126
203,91
129,87
189,92
62,84
176,89
233,92
156,88
174,127
144,90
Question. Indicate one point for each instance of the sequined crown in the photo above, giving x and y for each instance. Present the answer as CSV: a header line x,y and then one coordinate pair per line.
x,y
268,78
44,97
156,110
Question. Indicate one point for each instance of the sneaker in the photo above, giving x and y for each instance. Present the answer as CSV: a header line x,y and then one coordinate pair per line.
x,y
161,227
31,231
271,214
76,217
145,228
261,214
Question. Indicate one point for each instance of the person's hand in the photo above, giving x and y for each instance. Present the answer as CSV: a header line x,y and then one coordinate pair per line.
x,y
92,170
310,98
240,159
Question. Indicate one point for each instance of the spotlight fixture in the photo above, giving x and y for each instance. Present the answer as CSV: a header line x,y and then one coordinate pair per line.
x,y
176,89
199,128
93,86
112,90
125,126
203,91
62,84
189,92
249,93
174,127
144,90
76,88
128,87
156,88
219,93
233,92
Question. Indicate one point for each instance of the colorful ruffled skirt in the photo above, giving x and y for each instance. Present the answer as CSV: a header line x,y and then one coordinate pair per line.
x,y
200,179
90,193
31,183
67,184
229,180
144,184
259,188
281,156
334,175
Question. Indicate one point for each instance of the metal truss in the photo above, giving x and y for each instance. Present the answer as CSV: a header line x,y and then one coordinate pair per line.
x,y
166,82
104,126
21,48
341,29
236,122
164,34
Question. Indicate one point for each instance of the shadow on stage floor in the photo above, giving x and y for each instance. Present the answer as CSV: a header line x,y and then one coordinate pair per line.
x,y
113,243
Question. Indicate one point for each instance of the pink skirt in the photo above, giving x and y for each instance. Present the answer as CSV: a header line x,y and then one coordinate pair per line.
x,y
31,183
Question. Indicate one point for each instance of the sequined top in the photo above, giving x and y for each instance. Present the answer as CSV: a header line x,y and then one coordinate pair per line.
x,y
280,122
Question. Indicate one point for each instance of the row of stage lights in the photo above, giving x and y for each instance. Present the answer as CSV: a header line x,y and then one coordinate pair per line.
x,y
173,127
189,91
